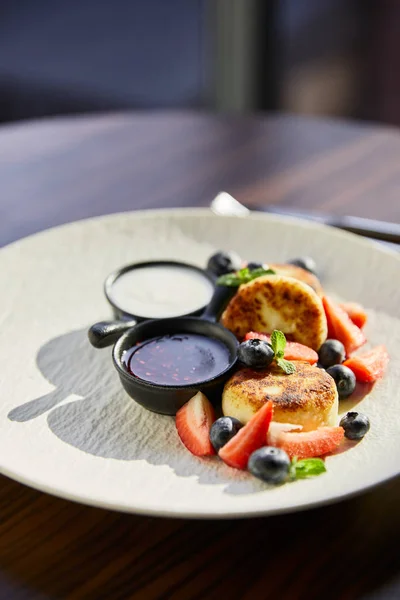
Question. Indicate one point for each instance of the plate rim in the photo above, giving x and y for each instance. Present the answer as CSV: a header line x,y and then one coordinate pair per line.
x,y
188,514
179,514
206,211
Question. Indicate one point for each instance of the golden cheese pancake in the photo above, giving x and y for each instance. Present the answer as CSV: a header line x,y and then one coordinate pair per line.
x,y
300,274
277,302
308,397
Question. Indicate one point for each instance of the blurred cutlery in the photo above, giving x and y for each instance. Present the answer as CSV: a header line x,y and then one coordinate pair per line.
x,y
225,204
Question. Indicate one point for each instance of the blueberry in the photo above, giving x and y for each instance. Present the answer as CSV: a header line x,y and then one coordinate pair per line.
x,y
331,353
269,464
344,378
254,265
305,262
223,262
355,425
256,354
222,430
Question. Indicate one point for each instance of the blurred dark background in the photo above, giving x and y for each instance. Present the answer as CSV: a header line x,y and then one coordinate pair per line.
x,y
324,57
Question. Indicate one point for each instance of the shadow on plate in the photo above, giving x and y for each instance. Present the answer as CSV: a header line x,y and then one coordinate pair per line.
x,y
106,423
362,390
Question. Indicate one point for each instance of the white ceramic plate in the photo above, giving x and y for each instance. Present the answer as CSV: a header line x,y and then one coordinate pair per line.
x,y
68,428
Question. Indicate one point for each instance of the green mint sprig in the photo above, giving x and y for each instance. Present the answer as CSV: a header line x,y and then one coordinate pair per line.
x,y
286,366
243,276
278,343
306,467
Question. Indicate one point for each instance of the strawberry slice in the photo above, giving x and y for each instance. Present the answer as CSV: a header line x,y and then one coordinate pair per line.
x,y
369,366
341,327
307,444
276,428
237,451
293,350
193,423
356,313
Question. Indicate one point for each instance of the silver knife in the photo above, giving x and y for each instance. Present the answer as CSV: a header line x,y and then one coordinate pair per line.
x,y
225,204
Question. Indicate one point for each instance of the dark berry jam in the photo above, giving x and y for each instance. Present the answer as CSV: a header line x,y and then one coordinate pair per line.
x,y
177,359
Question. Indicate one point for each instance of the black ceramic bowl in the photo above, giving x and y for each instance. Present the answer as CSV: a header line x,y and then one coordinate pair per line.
x,y
121,314
167,399
105,333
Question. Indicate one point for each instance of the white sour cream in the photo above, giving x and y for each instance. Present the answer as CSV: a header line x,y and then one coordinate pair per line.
x,y
161,291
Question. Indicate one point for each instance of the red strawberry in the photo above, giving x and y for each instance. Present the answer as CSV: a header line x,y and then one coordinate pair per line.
x,y
237,451
193,422
341,327
293,350
356,313
308,443
369,366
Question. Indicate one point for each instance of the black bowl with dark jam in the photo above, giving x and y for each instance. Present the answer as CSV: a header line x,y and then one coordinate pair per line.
x,y
162,363
202,360
177,359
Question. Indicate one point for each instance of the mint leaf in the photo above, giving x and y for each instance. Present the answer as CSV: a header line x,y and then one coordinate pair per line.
x,y
278,343
307,467
286,366
243,276
259,272
229,280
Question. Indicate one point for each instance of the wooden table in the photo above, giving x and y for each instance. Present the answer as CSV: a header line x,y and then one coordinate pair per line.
x,y
56,171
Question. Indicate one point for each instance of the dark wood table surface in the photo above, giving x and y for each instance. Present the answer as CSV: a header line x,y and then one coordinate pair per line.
x,y
61,170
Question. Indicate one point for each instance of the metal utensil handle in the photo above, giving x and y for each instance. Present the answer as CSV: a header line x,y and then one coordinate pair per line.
x,y
225,204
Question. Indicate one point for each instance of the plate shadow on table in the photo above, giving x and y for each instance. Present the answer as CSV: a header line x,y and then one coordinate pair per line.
x,y
104,421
